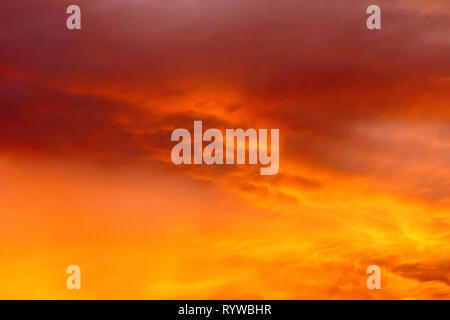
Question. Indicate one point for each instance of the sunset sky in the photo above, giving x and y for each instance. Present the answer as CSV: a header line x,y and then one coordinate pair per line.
x,y
86,176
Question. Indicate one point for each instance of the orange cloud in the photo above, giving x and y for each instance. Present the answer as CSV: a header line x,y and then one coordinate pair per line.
x,y
85,128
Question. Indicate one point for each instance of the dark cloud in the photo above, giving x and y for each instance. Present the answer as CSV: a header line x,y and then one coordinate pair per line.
x,y
428,271
317,79
42,121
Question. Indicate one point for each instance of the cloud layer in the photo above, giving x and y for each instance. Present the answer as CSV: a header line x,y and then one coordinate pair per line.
x,y
365,144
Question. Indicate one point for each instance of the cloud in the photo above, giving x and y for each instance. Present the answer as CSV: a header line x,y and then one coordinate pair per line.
x,y
364,136
435,271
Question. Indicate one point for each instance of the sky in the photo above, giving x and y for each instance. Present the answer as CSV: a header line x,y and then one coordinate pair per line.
x,y
87,178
